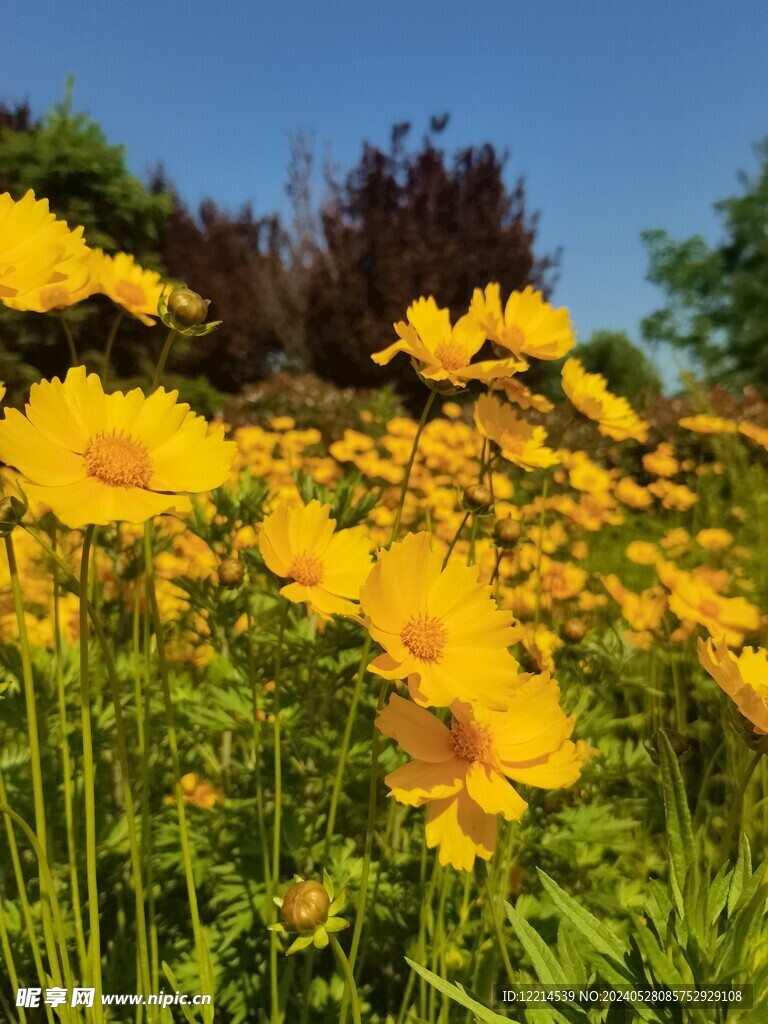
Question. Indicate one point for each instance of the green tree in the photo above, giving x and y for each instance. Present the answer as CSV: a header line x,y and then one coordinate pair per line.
x,y
627,369
717,298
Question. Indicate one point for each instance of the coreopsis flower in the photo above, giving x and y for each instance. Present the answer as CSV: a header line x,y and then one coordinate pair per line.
x,y
694,600
714,539
629,492
529,326
661,461
642,552
440,628
744,677
326,567
310,909
757,434
199,792
589,393
137,290
519,394
520,442
96,458
584,474
676,497
463,772
644,612
41,259
441,353
703,424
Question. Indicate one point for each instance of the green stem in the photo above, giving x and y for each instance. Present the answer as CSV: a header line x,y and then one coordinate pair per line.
x,y
160,368
108,347
409,467
73,359
204,965
734,818
257,744
349,978
540,553
337,782
8,959
497,927
89,784
273,942
456,536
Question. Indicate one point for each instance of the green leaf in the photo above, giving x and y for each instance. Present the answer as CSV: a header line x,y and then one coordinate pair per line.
x,y
548,970
458,995
186,1012
569,954
601,937
678,814
662,969
742,872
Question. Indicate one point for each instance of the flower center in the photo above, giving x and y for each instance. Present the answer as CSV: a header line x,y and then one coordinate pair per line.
x,y
515,336
451,356
117,460
709,608
424,636
471,741
131,293
306,569
511,442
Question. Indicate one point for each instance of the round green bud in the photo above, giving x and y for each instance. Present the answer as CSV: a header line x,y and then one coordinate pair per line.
x,y
305,906
12,511
477,499
187,307
573,630
507,532
231,572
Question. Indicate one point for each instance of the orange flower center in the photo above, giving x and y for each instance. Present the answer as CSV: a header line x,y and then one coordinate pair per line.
x,y
451,356
424,636
515,336
471,741
117,460
306,569
130,293
709,608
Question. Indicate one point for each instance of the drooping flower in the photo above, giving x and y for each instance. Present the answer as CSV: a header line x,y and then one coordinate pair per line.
x,y
589,392
137,290
519,441
326,567
744,677
440,628
96,458
462,772
442,353
529,326
41,259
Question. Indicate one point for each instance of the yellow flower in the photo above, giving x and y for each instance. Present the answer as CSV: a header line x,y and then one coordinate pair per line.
x,y
529,326
757,434
199,792
326,568
520,442
714,539
130,286
40,258
704,424
629,492
743,677
661,461
96,458
440,628
643,552
673,496
442,353
589,392
521,395
644,612
584,474
694,600
463,772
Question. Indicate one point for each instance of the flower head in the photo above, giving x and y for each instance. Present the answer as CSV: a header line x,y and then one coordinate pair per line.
x,y
96,458
694,600
520,442
744,677
529,326
440,628
462,771
441,353
137,290
42,262
326,568
309,908
589,392
704,424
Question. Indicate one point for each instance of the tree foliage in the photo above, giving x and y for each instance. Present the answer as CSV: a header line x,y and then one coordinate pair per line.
x,y
407,223
717,298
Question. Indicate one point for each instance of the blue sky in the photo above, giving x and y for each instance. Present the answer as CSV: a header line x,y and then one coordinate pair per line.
x,y
622,115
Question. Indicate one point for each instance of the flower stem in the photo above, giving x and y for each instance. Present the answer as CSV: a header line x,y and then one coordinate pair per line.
x,y
409,467
73,360
497,926
456,536
734,818
108,347
273,942
349,978
160,368
204,965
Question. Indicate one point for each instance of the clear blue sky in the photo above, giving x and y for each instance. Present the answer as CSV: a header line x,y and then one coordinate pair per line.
x,y
622,114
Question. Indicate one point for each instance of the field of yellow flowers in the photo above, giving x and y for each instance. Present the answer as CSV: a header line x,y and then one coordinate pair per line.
x,y
371,727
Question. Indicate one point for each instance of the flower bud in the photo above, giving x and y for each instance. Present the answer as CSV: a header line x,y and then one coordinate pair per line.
x,y
573,630
12,511
305,906
477,499
187,307
231,572
507,532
